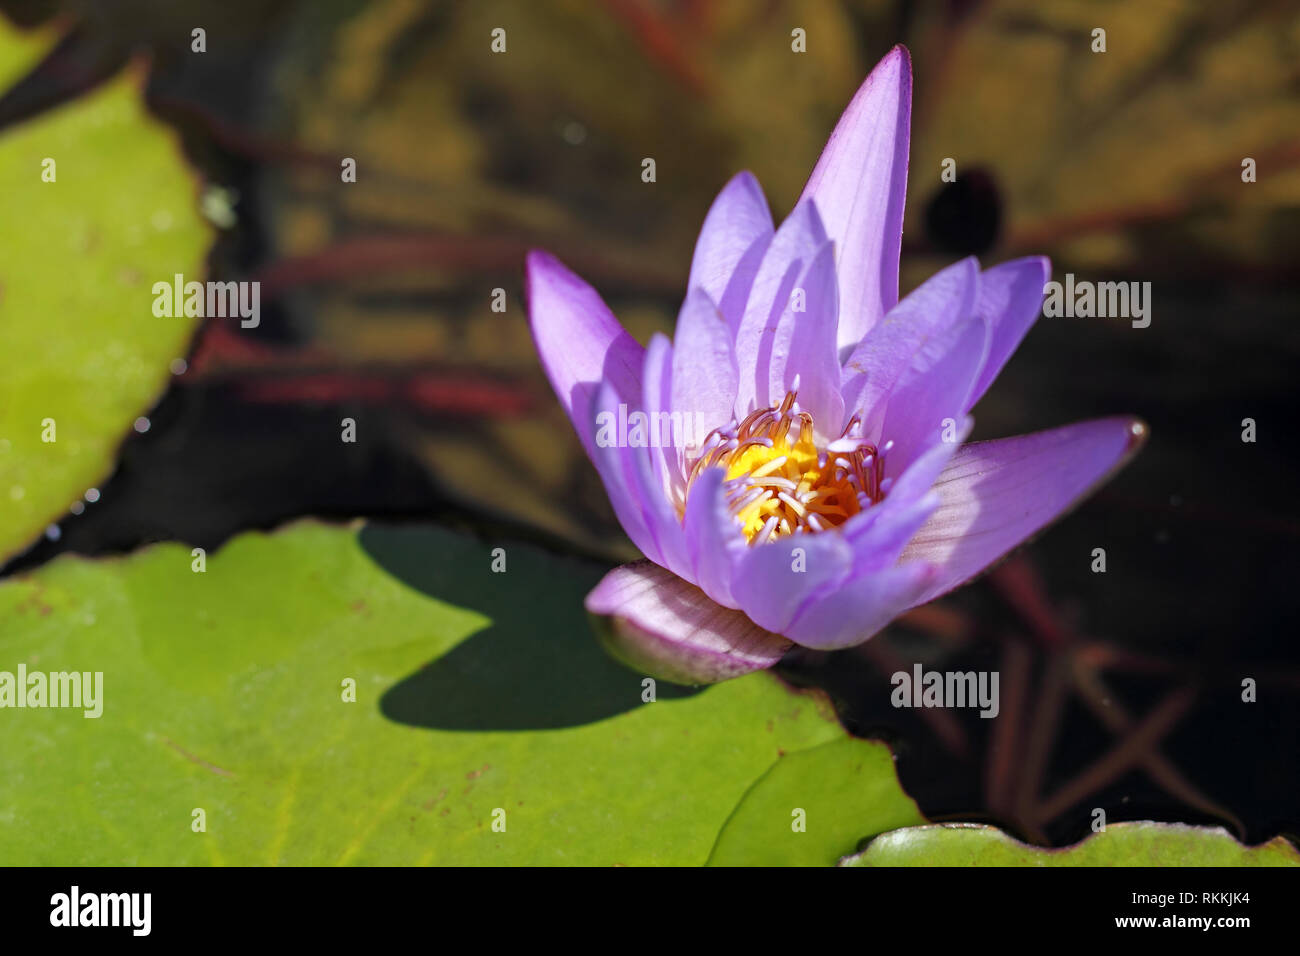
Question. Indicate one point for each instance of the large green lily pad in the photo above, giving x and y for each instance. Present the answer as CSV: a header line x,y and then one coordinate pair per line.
x,y
223,691
1120,844
373,695
79,343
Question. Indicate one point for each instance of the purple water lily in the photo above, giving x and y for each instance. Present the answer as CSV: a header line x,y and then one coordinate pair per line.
x,y
828,489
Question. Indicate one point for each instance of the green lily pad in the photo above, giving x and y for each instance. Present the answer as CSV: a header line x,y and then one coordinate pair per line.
x,y
814,806
223,691
79,344
1121,844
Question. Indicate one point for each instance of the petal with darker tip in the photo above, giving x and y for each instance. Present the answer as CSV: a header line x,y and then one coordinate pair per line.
x,y
995,494
661,625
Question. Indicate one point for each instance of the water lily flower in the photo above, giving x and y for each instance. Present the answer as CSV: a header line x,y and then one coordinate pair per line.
x,y
821,484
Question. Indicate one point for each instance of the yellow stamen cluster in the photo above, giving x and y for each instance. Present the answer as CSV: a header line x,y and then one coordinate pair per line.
x,y
779,483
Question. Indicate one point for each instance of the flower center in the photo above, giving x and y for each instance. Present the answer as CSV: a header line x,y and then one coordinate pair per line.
x,y
777,480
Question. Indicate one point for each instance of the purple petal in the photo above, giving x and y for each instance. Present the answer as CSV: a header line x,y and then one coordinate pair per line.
x,y
876,364
631,483
860,606
930,400
792,249
918,478
612,458
772,581
996,494
879,534
732,241
667,441
580,342
704,366
803,348
859,184
656,471
1010,300
661,625
713,538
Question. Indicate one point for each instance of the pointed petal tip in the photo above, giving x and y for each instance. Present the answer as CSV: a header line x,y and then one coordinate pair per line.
x,y
538,265
745,182
749,179
535,259
659,624
1139,431
1136,432
579,341
898,58
660,340
1044,264
816,225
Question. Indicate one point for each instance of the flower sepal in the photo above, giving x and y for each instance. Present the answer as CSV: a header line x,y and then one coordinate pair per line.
x,y
667,628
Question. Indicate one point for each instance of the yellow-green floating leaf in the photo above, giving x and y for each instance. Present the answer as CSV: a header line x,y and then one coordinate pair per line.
x,y
81,353
224,691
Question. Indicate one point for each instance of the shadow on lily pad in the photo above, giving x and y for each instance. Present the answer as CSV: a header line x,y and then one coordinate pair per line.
x,y
537,666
